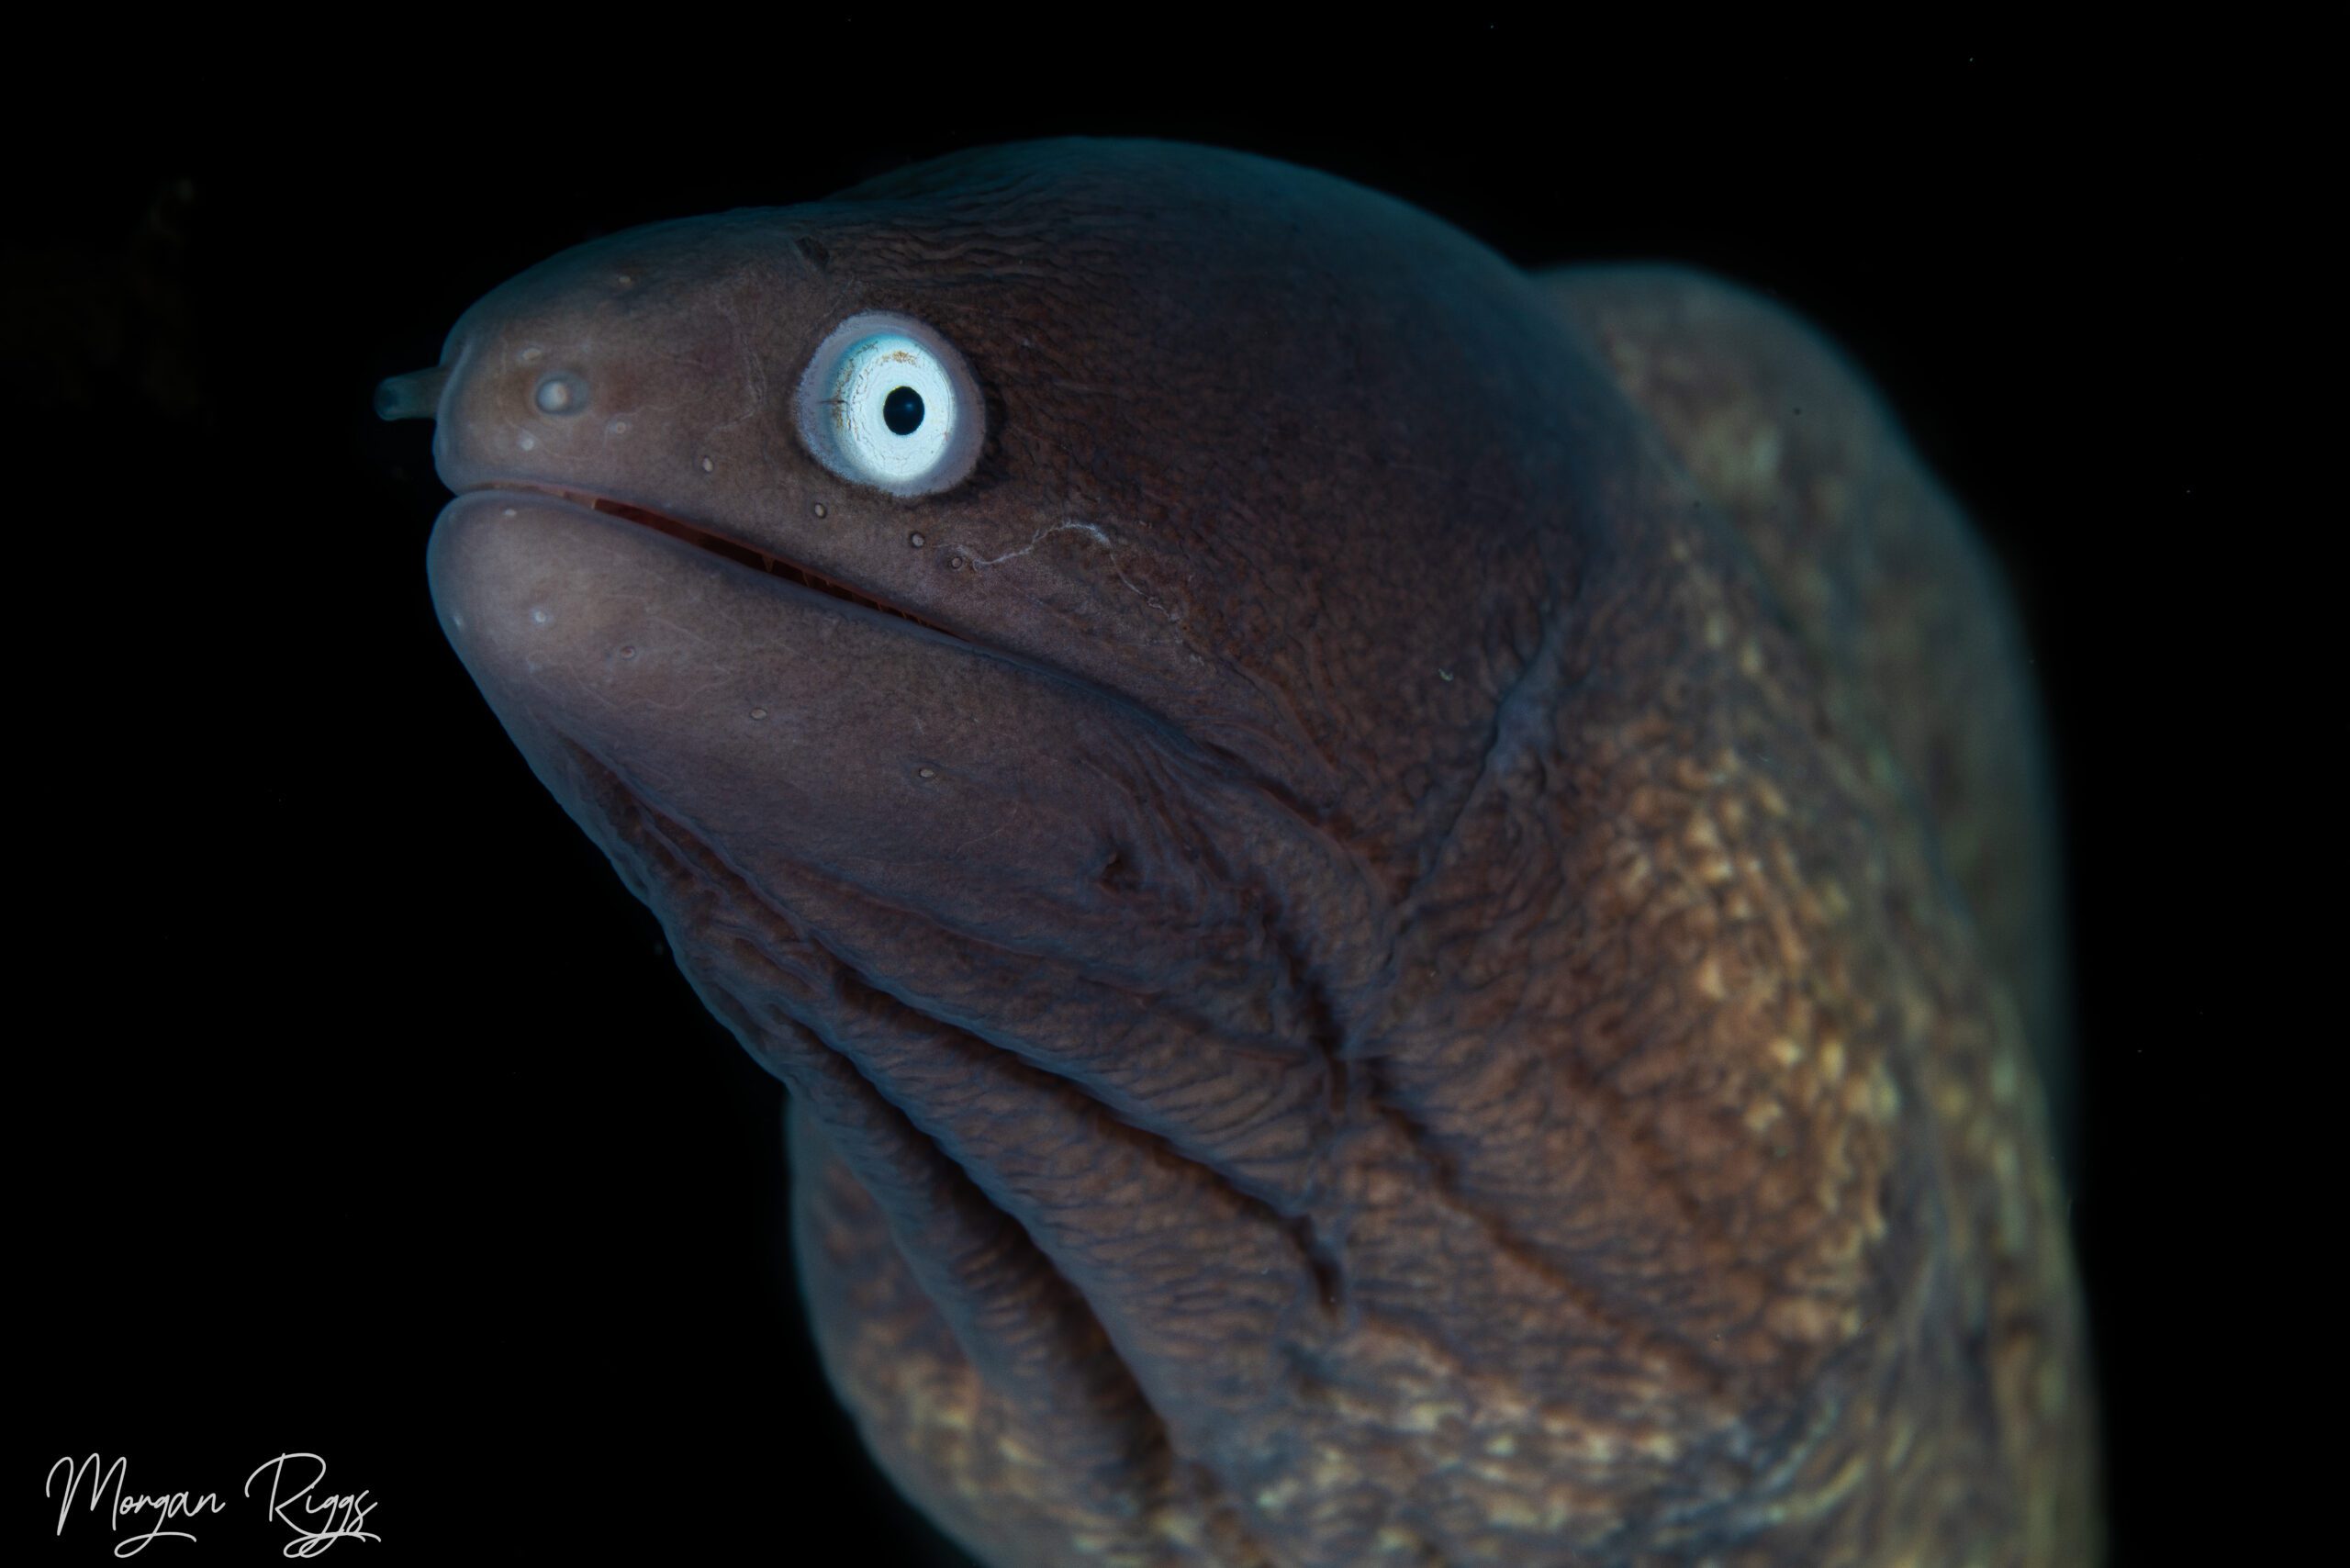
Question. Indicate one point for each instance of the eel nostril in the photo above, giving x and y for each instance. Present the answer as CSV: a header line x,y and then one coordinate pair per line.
x,y
415,396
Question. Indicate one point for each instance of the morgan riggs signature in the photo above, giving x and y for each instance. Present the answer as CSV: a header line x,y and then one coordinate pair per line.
x,y
293,1477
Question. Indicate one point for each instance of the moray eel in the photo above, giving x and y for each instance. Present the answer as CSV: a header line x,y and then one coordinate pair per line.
x,y
1403,905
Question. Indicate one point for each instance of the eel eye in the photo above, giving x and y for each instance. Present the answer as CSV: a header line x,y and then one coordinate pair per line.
x,y
887,401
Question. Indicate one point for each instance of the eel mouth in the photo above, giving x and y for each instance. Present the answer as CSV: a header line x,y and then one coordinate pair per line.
x,y
735,550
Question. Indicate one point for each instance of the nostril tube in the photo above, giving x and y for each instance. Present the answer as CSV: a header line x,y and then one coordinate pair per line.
x,y
411,397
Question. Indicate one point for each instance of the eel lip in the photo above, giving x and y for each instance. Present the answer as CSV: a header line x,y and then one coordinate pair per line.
x,y
703,538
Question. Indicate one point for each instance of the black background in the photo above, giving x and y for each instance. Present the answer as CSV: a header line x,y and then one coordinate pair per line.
x,y
364,1112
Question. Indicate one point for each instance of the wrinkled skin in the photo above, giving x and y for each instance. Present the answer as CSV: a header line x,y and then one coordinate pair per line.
x,y
1436,961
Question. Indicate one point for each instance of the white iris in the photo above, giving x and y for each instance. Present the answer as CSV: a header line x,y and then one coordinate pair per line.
x,y
888,402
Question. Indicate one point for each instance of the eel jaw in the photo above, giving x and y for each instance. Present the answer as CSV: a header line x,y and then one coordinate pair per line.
x,y
704,538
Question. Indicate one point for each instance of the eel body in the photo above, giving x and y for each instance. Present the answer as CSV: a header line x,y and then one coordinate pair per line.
x,y
1406,907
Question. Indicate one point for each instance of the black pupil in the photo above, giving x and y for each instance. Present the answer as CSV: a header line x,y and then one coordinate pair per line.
x,y
901,411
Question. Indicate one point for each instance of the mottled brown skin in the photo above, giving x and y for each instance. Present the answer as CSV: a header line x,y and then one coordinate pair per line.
x,y
1426,978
